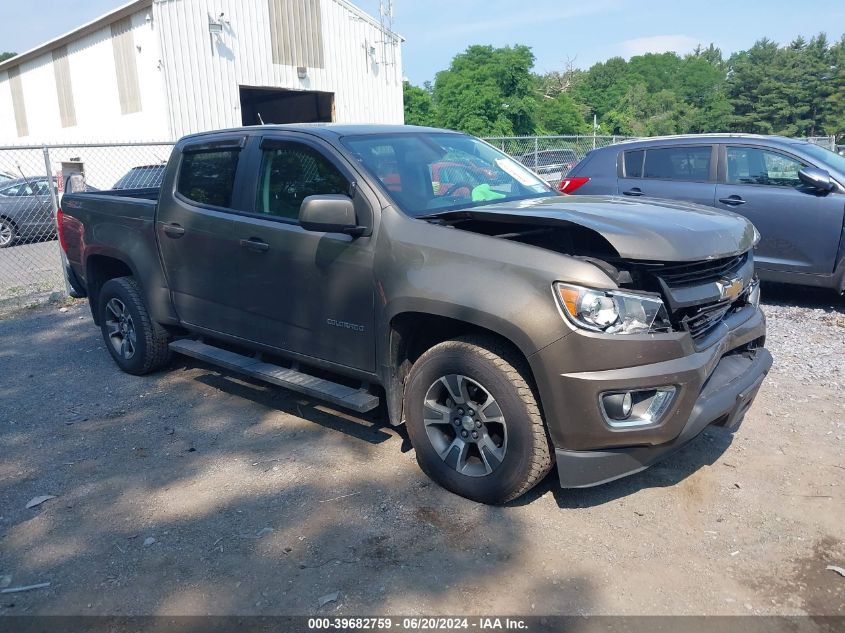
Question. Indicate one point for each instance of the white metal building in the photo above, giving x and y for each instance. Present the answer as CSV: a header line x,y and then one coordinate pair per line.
x,y
159,69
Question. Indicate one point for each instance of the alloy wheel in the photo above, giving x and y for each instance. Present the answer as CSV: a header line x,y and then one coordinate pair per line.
x,y
465,425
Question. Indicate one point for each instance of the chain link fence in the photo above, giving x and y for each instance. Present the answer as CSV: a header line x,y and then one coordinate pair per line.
x,y
551,157
32,181
828,142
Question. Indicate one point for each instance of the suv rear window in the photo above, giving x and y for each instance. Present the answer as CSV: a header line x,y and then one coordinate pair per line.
x,y
669,163
208,177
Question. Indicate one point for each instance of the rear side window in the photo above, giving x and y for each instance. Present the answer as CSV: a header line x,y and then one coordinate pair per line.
x,y
634,164
677,163
208,177
291,173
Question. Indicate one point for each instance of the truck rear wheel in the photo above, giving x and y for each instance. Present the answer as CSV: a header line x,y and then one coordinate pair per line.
x,y
138,344
474,421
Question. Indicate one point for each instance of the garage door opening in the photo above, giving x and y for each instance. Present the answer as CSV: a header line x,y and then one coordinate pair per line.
x,y
273,105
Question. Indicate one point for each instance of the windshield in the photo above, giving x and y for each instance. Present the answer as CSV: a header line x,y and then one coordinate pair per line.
x,y
429,173
830,159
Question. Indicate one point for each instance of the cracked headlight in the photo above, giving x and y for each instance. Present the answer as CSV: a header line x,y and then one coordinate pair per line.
x,y
612,311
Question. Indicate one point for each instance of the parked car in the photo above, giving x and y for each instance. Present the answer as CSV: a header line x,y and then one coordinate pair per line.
x,y
793,192
141,177
507,325
551,164
26,210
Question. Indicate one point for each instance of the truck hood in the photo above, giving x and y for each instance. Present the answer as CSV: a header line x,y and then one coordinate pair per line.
x,y
643,229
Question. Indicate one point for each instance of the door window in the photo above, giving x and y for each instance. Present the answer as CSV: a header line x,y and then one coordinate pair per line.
x,y
208,177
19,190
678,163
754,166
292,172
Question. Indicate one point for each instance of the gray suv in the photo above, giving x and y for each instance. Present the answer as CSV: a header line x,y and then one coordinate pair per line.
x,y
793,192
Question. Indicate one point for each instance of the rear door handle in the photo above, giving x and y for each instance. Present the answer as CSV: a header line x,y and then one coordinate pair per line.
x,y
732,201
255,244
173,230
635,191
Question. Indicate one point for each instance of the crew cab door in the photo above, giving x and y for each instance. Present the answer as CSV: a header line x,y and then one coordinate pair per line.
x,y
305,292
195,234
675,172
799,227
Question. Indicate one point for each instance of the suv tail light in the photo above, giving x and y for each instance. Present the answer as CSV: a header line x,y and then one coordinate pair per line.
x,y
570,184
60,226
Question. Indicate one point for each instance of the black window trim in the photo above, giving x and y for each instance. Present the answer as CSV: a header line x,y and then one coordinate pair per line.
x,y
237,144
723,163
253,177
711,176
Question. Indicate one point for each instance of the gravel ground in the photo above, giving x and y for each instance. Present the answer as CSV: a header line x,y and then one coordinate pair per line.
x,y
193,491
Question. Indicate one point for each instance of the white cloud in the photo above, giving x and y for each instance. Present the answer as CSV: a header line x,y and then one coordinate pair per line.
x,y
657,44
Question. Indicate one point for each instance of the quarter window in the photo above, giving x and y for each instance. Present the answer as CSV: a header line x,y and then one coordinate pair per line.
x,y
754,166
634,164
208,177
290,173
678,163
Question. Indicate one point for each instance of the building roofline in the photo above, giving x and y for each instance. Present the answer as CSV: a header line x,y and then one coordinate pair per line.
x,y
133,7
81,31
369,18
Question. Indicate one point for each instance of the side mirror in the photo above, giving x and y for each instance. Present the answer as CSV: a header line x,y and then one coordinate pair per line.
x,y
816,178
329,213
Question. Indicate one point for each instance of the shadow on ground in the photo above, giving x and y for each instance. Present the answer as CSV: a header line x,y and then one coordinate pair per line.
x,y
193,491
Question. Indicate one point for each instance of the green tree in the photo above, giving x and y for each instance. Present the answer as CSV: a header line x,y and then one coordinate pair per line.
x,y
559,115
487,91
603,86
419,109
6,55
833,118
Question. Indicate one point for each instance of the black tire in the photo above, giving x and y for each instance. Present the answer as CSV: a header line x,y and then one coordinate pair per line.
x,y
483,362
150,349
8,233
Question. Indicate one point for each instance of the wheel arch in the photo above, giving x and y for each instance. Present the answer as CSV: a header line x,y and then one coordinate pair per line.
x,y
99,268
412,332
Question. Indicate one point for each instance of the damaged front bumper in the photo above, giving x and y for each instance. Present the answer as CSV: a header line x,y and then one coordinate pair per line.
x,y
712,386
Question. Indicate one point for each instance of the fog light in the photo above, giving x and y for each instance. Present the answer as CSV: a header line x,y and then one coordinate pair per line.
x,y
638,407
618,406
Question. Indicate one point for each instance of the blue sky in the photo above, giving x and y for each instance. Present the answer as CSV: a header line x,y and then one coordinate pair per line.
x,y
585,31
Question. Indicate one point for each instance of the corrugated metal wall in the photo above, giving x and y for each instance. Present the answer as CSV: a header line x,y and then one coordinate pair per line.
x,y
64,88
203,71
125,66
18,104
296,32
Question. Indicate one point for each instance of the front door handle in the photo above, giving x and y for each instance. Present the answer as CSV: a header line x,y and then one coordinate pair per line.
x,y
732,201
255,244
634,191
173,230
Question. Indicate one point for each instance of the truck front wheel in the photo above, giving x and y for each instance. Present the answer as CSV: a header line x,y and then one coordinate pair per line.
x,y
474,421
138,344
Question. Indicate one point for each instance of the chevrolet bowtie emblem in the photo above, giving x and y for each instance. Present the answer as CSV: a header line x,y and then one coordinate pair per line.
x,y
730,288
